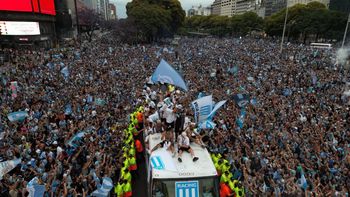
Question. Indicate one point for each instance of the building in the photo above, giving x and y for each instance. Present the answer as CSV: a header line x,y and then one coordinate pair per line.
x,y
232,7
199,10
66,18
30,23
294,2
243,6
273,6
104,9
260,8
99,6
216,7
112,12
340,5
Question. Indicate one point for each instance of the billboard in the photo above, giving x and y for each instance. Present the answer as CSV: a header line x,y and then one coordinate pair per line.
x,y
36,6
19,28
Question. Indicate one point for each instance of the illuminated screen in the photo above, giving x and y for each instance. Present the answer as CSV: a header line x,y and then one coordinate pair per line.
x,y
47,7
19,28
38,6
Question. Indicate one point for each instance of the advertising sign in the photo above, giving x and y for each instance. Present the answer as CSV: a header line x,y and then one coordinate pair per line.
x,y
19,28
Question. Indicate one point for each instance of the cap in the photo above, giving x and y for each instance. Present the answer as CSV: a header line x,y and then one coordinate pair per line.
x,y
54,143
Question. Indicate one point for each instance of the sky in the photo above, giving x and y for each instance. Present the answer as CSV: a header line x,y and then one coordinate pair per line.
x,y
186,5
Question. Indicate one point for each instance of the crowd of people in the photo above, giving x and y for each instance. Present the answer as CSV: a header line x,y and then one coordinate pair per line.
x,y
78,99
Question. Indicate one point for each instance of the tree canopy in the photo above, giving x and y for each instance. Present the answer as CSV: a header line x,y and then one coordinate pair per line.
x,y
223,25
308,20
156,18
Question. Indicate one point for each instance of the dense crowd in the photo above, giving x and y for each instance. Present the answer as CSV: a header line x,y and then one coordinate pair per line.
x,y
298,126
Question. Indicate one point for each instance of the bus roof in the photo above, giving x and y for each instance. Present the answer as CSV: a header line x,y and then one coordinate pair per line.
x,y
164,166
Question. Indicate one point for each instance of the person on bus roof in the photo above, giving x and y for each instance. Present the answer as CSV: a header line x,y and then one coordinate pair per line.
x,y
184,145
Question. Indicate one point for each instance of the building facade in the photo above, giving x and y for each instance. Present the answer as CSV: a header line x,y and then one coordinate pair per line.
x,y
66,18
216,7
273,6
243,6
31,23
112,11
232,7
340,5
199,10
99,6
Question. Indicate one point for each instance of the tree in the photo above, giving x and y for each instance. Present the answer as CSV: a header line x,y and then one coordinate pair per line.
x,y
151,20
245,23
125,30
89,21
156,18
311,21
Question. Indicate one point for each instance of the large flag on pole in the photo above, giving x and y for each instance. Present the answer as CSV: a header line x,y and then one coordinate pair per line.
x,y
165,73
202,108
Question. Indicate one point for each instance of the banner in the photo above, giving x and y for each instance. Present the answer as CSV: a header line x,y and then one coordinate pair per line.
x,y
34,189
17,116
167,74
217,107
202,108
7,166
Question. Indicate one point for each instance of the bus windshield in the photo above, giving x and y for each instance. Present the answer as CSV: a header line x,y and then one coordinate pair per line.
x,y
204,187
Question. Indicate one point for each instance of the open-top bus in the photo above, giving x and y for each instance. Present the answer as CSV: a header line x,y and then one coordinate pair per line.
x,y
167,177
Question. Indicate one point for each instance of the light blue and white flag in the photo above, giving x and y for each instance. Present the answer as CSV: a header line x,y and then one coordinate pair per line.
x,y
240,119
216,108
303,182
165,73
104,189
202,108
65,72
35,189
207,125
68,109
75,138
241,99
17,116
100,102
7,166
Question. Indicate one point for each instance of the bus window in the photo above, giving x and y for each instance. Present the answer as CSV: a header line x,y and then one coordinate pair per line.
x,y
166,188
159,189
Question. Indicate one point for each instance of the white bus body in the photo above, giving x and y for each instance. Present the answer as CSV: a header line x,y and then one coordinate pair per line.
x,y
167,177
321,46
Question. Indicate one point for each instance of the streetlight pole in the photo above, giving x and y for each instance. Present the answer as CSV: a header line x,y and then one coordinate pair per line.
x,y
76,16
346,31
284,28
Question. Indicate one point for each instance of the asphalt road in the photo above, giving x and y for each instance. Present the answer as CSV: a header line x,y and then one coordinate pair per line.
x,y
139,183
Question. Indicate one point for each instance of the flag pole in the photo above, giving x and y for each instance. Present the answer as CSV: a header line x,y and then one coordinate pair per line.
x,y
346,31
284,28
